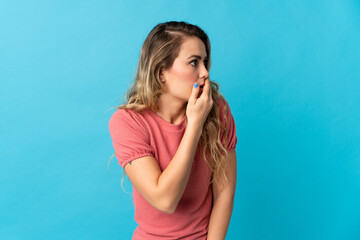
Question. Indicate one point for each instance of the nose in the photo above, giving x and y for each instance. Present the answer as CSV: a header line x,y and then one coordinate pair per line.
x,y
203,72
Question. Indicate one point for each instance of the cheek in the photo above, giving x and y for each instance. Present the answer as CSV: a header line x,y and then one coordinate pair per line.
x,y
181,80
185,81
184,75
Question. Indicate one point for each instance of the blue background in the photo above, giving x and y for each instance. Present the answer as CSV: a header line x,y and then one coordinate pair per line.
x,y
289,70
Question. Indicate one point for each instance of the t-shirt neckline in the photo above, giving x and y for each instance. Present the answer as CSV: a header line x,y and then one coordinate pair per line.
x,y
169,126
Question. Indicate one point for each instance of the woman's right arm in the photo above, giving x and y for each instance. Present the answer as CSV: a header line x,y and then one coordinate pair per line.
x,y
163,190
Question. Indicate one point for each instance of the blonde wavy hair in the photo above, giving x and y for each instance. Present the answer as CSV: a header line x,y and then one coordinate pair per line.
x,y
158,53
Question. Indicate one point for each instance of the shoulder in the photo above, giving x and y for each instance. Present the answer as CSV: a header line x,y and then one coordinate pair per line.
x,y
228,135
124,115
127,118
224,108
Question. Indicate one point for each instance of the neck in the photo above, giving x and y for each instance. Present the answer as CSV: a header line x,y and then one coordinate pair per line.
x,y
171,109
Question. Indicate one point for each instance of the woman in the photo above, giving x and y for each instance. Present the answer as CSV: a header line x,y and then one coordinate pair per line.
x,y
175,138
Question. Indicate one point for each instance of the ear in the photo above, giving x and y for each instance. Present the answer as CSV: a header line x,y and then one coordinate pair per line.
x,y
162,76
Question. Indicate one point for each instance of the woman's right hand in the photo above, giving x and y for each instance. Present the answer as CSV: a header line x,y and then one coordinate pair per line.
x,y
198,108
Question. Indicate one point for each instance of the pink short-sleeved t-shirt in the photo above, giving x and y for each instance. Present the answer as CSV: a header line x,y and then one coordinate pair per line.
x,y
136,135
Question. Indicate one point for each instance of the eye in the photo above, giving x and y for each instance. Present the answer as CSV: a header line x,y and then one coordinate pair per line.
x,y
205,62
194,62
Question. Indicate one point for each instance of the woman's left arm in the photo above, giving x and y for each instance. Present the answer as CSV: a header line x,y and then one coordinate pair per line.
x,y
223,201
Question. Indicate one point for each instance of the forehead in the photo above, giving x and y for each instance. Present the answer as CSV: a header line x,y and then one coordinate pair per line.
x,y
192,46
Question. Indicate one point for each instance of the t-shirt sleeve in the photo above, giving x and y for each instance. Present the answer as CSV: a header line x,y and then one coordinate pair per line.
x,y
129,136
230,128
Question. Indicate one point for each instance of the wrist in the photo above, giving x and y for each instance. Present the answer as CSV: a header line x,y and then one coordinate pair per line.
x,y
195,128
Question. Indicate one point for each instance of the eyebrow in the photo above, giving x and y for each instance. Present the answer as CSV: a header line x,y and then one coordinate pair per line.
x,y
196,56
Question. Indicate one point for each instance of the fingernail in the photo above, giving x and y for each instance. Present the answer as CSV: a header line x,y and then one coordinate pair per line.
x,y
196,85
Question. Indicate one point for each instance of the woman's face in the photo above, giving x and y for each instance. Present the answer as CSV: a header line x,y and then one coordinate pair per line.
x,y
188,68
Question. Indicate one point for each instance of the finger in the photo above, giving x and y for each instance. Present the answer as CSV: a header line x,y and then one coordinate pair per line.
x,y
207,87
195,92
210,89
